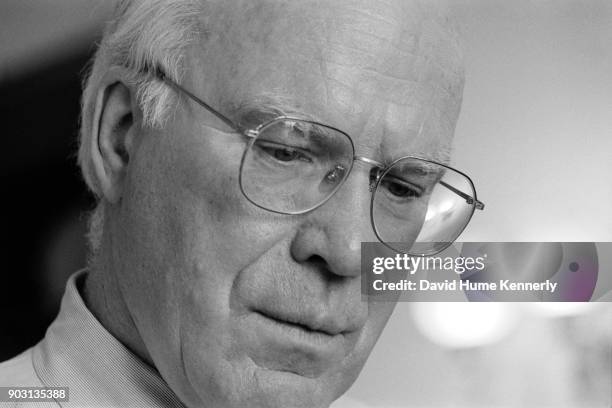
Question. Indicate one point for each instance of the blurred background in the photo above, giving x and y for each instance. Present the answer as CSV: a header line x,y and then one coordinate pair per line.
x,y
44,49
535,134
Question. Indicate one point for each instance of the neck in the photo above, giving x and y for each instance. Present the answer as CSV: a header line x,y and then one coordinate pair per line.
x,y
103,297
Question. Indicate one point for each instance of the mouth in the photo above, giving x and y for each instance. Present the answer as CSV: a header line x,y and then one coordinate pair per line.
x,y
298,333
306,344
323,327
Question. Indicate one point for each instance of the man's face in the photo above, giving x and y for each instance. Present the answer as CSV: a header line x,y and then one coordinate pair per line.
x,y
238,306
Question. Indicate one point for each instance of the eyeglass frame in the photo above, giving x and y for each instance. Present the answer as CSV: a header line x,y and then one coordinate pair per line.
x,y
382,169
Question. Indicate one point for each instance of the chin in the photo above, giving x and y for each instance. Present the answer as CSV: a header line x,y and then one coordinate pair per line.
x,y
256,387
279,389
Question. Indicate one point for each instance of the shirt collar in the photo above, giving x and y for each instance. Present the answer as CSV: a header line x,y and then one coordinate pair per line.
x,y
77,352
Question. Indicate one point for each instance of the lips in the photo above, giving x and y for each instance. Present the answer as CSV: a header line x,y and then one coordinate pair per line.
x,y
314,323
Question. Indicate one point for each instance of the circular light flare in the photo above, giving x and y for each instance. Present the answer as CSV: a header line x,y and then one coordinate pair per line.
x,y
459,325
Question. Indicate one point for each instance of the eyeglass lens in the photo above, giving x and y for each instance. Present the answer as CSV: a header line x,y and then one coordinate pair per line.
x,y
293,166
420,207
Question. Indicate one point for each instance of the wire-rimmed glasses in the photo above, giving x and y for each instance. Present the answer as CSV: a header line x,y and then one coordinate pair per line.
x,y
293,166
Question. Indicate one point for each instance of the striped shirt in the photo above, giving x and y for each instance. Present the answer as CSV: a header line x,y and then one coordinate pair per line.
x,y
79,353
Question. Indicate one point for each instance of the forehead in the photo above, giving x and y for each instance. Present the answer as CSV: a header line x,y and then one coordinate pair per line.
x,y
388,73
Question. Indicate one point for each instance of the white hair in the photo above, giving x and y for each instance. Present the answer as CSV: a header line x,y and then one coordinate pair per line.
x,y
142,34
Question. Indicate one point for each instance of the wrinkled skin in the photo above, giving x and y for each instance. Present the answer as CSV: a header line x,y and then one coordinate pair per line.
x,y
188,265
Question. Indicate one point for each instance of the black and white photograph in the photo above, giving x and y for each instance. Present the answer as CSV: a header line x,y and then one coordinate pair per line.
x,y
306,203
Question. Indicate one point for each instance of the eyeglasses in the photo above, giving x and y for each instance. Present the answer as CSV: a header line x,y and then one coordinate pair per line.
x,y
293,166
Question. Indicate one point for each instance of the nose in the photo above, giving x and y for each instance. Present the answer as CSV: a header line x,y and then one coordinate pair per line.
x,y
333,233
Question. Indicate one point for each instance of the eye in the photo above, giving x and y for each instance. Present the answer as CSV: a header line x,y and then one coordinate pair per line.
x,y
400,189
283,153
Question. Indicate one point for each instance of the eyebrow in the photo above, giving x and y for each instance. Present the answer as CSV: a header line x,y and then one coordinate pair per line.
x,y
422,169
254,111
440,155
386,156
318,133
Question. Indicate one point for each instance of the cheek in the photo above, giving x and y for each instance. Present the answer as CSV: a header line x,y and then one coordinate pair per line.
x,y
188,233
189,225
214,212
346,374
378,316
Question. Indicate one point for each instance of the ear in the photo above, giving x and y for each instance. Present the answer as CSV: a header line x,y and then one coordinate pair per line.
x,y
113,133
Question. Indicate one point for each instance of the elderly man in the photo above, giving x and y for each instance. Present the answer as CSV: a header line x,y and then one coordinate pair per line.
x,y
241,151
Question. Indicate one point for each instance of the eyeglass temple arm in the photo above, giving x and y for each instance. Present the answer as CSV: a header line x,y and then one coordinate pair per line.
x,y
161,75
470,200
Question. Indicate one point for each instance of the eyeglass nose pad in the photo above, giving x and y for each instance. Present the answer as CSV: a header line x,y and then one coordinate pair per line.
x,y
336,174
375,173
